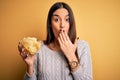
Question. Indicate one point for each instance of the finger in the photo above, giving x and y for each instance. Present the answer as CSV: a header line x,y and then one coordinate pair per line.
x,y
23,49
20,47
20,44
59,41
61,38
63,35
66,35
23,55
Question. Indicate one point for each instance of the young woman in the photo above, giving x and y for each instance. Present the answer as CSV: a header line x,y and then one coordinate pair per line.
x,y
62,56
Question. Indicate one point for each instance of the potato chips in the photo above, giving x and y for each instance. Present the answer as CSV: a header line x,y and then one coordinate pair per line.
x,y
30,44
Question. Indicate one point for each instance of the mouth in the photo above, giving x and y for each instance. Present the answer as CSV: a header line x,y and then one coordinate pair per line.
x,y
61,30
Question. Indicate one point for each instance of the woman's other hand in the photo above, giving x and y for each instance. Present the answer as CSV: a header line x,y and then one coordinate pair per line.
x,y
27,58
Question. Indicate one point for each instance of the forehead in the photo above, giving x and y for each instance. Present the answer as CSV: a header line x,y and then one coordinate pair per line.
x,y
61,12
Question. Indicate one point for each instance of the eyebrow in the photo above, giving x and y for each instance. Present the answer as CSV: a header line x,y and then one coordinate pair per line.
x,y
58,15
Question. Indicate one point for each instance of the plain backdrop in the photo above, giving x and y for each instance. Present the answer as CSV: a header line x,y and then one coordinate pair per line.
x,y
97,22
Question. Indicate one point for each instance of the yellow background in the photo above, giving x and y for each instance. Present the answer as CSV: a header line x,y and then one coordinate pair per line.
x,y
98,22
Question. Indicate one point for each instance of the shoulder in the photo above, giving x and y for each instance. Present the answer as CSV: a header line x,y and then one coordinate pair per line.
x,y
82,43
83,48
42,45
41,42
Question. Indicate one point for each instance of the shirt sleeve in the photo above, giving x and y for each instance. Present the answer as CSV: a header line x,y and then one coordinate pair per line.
x,y
34,75
85,70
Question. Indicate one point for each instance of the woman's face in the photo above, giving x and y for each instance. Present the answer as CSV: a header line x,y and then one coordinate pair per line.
x,y
60,21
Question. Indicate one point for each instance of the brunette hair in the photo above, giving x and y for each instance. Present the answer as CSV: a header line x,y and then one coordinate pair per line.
x,y
72,29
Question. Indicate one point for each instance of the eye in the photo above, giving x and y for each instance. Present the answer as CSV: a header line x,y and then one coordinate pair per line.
x,y
67,19
56,19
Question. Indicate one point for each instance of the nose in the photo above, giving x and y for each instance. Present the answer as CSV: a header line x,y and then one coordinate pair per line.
x,y
62,24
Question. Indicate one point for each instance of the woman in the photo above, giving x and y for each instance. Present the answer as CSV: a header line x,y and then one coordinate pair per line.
x,y
62,56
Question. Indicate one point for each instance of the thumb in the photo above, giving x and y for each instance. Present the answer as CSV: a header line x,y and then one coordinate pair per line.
x,y
75,42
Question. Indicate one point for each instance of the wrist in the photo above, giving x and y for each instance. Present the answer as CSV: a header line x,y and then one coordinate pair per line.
x,y
71,58
73,62
30,65
30,69
74,65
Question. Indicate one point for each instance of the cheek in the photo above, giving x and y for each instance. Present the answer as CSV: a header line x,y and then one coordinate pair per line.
x,y
67,27
55,28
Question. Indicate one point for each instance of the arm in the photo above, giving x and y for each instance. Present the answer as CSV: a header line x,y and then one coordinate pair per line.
x,y
31,73
84,72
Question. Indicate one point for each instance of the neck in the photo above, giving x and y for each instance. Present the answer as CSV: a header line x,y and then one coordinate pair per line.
x,y
54,45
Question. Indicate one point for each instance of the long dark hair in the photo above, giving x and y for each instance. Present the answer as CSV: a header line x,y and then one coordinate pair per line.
x,y
72,30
